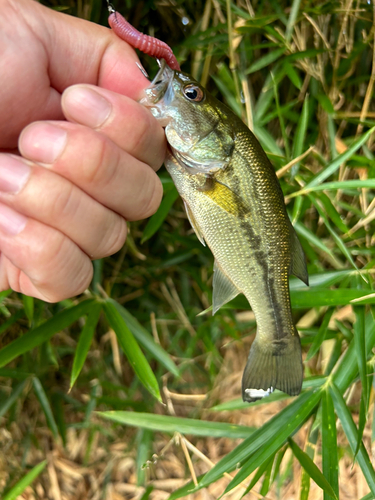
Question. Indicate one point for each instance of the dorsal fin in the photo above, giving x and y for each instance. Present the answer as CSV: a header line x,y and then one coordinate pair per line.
x,y
298,263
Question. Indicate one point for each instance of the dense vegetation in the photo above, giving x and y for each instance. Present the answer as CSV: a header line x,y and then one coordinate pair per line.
x,y
301,75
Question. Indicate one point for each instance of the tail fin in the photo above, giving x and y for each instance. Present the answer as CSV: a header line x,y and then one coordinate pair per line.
x,y
274,365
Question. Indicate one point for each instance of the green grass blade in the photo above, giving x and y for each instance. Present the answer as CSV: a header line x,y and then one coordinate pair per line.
x,y
348,370
335,165
313,240
332,213
292,74
46,407
299,138
340,244
303,299
334,185
310,451
259,439
144,452
20,487
292,20
44,332
351,433
281,432
84,341
159,216
311,469
259,473
9,401
329,445
169,424
145,339
266,60
131,349
319,338
360,347
28,305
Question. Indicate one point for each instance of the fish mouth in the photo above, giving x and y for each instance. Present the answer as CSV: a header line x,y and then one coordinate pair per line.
x,y
160,93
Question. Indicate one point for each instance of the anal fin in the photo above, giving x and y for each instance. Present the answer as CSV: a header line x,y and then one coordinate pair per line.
x,y
223,289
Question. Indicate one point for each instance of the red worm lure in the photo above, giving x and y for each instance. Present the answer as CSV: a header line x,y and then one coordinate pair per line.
x,y
145,43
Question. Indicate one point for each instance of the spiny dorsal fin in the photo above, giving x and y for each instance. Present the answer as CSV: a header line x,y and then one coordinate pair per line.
x,y
298,264
193,224
223,289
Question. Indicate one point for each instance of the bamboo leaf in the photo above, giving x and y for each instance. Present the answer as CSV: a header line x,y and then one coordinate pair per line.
x,y
266,60
311,469
169,424
9,401
347,370
20,487
299,139
28,304
320,336
310,451
44,332
46,407
280,434
313,240
292,19
329,445
335,165
145,339
360,347
352,436
131,349
84,341
159,216
334,185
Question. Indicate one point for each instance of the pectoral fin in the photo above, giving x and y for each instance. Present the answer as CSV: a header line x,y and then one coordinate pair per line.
x,y
193,223
226,198
298,264
223,289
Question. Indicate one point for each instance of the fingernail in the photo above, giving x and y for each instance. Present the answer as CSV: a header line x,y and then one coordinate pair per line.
x,y
42,142
14,174
86,106
11,222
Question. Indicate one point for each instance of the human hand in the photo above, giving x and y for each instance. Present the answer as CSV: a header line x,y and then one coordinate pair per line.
x,y
87,151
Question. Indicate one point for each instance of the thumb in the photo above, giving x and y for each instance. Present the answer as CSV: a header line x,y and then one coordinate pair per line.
x,y
43,52
83,52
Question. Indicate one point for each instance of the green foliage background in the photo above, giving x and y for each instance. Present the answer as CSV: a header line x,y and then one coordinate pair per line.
x,y
301,74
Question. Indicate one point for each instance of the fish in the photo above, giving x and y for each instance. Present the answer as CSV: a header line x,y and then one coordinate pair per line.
x,y
235,205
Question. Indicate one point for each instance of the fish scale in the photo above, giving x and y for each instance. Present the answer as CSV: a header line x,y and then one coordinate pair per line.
x,y
235,205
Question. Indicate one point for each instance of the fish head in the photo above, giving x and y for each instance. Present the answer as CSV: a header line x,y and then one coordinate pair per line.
x,y
197,126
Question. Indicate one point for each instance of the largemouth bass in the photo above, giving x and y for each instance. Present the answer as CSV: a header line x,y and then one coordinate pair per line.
x,y
235,205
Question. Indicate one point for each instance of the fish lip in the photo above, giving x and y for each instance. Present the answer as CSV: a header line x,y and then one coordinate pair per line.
x,y
160,87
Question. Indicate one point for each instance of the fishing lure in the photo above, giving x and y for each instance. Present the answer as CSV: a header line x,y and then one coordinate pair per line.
x,y
145,43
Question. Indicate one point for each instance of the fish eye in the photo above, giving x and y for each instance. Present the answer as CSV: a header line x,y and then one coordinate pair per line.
x,y
193,93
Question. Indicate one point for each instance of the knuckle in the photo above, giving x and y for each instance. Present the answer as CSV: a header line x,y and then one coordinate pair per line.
x,y
151,196
116,237
61,271
140,138
93,168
